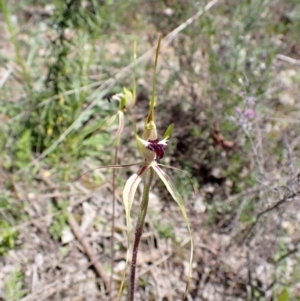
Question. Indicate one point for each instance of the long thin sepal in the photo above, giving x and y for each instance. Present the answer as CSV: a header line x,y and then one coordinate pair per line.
x,y
134,76
182,171
154,75
114,166
178,199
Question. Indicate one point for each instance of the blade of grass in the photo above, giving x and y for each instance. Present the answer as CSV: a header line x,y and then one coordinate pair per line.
x,y
19,59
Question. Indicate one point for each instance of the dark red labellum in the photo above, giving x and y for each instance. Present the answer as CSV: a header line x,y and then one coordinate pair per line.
x,y
159,149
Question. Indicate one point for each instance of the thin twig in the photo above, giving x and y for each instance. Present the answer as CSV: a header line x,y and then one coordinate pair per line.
x,y
287,254
52,288
88,251
286,198
81,238
288,59
248,191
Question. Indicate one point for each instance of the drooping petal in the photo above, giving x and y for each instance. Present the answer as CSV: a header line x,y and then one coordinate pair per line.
x,y
178,199
182,171
120,126
129,192
128,197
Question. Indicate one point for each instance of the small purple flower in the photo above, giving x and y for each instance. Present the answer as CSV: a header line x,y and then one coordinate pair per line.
x,y
245,115
264,56
250,114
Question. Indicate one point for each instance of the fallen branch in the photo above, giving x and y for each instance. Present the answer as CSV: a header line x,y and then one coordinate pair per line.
x,y
88,251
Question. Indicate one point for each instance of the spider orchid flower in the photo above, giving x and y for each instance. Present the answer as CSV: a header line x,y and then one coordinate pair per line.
x,y
152,151
126,101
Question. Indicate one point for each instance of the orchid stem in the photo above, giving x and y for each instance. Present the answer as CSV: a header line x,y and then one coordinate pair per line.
x,y
148,177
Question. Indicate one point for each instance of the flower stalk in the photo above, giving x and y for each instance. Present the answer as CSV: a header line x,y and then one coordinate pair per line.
x,y
147,179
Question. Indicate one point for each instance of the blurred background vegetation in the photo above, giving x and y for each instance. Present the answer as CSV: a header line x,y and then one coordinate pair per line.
x,y
60,61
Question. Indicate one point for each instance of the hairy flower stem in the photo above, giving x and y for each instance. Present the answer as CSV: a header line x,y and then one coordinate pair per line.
x,y
148,177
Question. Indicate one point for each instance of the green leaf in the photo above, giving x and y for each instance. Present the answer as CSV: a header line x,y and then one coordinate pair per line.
x,y
168,131
284,295
98,140
14,285
98,126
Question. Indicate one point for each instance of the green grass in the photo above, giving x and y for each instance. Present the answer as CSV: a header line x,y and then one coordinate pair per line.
x,y
14,285
60,219
12,213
